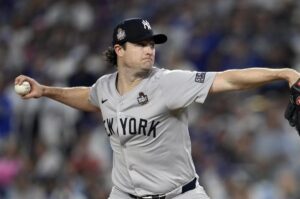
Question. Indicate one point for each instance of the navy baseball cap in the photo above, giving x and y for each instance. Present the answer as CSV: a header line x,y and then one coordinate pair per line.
x,y
135,30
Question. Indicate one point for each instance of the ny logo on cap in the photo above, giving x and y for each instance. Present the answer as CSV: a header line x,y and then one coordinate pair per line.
x,y
121,34
146,24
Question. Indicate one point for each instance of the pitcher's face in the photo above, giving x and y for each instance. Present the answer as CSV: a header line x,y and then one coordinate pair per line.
x,y
139,55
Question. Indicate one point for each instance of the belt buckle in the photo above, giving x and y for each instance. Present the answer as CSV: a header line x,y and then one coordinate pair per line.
x,y
163,196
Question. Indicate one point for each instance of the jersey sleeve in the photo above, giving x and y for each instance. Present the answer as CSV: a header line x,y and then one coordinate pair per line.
x,y
181,88
95,93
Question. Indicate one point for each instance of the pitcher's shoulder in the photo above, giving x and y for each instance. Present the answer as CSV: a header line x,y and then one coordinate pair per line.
x,y
107,78
159,72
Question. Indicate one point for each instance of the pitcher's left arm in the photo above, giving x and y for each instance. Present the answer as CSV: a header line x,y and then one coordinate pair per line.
x,y
241,79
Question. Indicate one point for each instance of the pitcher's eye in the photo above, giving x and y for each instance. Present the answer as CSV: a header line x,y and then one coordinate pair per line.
x,y
146,43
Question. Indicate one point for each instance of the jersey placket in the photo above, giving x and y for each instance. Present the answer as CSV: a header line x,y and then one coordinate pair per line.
x,y
119,110
129,165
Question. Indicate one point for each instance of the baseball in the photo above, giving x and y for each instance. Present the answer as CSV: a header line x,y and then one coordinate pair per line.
x,y
23,88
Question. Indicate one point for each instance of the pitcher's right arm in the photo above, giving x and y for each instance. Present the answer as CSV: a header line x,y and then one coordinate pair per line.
x,y
76,97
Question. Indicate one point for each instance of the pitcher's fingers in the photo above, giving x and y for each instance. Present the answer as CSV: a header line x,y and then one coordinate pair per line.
x,y
20,79
28,96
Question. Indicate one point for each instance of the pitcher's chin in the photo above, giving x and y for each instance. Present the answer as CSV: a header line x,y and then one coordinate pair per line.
x,y
144,72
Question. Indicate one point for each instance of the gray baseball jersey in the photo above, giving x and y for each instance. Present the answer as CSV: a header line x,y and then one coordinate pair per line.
x,y
148,128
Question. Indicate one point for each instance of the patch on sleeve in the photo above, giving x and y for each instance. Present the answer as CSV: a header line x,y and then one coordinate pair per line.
x,y
200,77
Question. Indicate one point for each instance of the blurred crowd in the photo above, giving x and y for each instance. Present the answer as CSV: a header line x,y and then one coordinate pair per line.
x,y
242,146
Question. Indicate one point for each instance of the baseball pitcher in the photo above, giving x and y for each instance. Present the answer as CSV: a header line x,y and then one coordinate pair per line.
x,y
144,111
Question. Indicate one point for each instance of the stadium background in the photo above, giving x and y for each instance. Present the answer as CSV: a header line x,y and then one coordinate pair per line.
x,y
242,146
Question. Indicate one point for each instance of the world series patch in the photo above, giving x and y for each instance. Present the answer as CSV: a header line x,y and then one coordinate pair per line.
x,y
142,98
200,77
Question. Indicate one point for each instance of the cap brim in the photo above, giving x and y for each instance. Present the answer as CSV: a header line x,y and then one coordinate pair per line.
x,y
158,38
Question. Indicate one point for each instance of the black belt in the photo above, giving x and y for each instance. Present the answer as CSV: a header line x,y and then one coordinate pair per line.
x,y
189,186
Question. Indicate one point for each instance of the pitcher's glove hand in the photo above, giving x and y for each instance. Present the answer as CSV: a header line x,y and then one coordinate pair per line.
x,y
292,112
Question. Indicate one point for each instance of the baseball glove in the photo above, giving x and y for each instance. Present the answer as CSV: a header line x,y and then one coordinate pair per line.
x,y
292,112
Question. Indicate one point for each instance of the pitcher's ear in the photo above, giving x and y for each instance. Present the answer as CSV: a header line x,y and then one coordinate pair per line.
x,y
119,49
